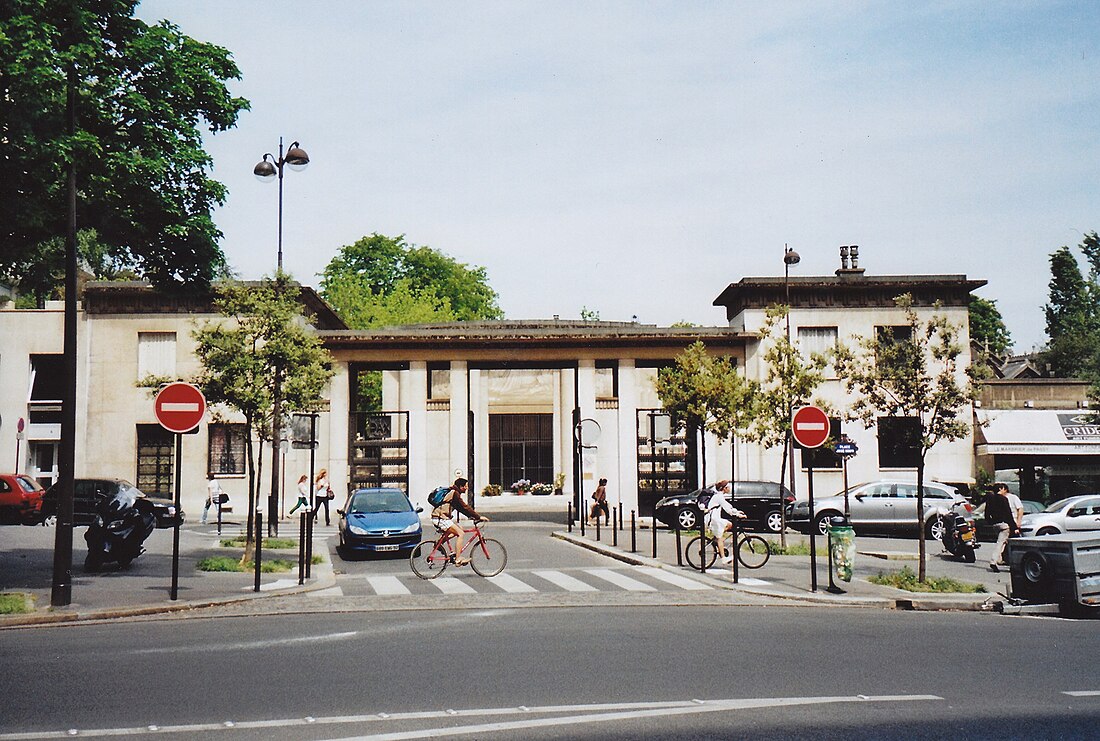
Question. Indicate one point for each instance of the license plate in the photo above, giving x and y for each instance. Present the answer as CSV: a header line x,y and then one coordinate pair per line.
x,y
385,547
968,536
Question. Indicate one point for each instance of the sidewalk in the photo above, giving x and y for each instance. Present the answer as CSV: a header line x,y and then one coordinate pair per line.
x,y
789,577
26,565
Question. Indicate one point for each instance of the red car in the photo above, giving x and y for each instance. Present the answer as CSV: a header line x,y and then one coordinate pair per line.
x,y
20,499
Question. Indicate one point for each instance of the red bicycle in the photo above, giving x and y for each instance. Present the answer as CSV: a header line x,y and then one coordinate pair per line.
x,y
487,555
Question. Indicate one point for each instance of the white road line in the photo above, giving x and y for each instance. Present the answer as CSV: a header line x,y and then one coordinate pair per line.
x,y
511,584
450,585
387,585
566,582
1083,693
621,580
672,578
751,581
246,645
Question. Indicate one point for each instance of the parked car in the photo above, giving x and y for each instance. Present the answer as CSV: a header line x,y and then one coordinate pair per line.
x,y
378,521
759,500
986,529
1072,514
20,499
881,505
90,494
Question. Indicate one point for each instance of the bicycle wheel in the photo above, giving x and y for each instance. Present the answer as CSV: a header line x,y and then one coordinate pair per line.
x,y
753,552
692,552
488,557
427,561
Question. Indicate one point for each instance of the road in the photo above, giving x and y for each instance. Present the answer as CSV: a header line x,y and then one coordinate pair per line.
x,y
585,672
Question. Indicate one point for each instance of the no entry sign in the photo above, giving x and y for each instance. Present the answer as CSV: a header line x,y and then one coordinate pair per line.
x,y
180,407
810,427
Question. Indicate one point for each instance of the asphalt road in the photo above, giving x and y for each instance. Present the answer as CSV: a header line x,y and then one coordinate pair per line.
x,y
590,672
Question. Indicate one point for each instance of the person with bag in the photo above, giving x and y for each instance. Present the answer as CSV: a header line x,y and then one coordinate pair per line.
x,y
599,503
443,516
322,494
213,496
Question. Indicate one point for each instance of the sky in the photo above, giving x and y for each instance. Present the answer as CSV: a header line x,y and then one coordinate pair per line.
x,y
634,158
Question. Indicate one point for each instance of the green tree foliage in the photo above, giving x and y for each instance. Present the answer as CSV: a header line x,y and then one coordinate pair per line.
x,y
265,339
704,393
142,95
987,327
375,280
918,377
1073,312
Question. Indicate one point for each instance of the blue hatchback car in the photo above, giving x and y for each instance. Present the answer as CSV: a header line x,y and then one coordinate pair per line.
x,y
379,521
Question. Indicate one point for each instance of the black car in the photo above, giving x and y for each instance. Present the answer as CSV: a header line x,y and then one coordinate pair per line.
x,y
89,494
759,500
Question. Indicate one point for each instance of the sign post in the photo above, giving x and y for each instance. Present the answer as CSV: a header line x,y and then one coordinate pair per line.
x,y
18,439
810,428
180,408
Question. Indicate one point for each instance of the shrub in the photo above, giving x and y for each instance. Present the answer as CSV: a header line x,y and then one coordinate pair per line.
x,y
906,579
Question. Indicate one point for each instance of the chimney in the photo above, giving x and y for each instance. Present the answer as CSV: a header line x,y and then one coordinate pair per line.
x,y
849,253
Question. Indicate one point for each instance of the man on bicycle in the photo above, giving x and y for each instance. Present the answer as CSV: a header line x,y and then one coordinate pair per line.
x,y
443,516
714,521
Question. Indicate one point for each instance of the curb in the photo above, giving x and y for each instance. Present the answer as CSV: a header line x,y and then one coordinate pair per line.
x,y
323,577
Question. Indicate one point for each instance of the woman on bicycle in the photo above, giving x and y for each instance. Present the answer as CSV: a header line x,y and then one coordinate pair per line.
x,y
714,520
443,516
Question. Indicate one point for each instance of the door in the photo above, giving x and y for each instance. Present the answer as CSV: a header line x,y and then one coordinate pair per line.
x,y
871,505
521,447
43,464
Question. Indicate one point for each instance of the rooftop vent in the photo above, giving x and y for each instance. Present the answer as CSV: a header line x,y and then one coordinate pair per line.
x,y
849,269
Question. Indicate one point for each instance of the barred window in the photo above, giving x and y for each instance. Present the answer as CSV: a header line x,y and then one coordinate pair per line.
x,y
155,458
225,453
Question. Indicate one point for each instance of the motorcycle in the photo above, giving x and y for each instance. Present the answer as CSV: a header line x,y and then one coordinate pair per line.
x,y
118,532
959,535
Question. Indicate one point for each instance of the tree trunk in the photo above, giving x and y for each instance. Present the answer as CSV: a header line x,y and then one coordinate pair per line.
x,y
921,549
251,455
782,506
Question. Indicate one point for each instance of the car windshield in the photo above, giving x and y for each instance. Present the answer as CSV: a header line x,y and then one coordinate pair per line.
x,y
1056,506
375,502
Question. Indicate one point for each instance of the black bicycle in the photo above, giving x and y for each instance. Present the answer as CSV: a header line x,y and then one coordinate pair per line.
x,y
752,550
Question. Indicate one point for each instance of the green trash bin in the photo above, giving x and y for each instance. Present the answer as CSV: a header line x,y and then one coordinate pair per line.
x,y
842,545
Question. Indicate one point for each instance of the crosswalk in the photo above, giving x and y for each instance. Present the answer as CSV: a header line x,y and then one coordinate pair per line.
x,y
636,579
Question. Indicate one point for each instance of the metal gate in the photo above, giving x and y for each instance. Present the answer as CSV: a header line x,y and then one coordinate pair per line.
x,y
664,469
379,450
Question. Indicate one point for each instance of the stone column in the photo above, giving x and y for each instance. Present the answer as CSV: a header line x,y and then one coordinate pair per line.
x,y
337,441
414,400
458,417
626,488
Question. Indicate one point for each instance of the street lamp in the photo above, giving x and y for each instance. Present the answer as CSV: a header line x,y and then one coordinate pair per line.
x,y
790,257
265,170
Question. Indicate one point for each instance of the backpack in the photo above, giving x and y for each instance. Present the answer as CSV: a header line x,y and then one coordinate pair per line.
x,y
704,498
438,495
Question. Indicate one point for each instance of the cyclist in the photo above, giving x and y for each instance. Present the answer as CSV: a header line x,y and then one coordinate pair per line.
x,y
442,516
714,521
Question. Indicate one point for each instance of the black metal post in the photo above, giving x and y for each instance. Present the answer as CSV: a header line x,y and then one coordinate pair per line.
x,y
302,548
569,516
703,540
679,549
259,546
309,543
633,534
620,516
813,525
653,527
735,548
173,593
614,534
598,529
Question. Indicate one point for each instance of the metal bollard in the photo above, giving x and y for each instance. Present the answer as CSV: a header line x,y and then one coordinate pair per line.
x,y
302,548
259,546
736,548
569,516
653,527
620,516
679,550
633,534
309,546
597,529
581,517
615,536
703,543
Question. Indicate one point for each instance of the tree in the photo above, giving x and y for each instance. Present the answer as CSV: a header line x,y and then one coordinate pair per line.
x,y
790,381
703,393
1073,312
141,95
987,327
916,377
265,344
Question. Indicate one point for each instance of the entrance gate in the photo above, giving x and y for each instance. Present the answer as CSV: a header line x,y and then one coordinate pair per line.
x,y
379,450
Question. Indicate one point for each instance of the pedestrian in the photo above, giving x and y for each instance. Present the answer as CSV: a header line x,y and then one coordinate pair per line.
x,y
999,511
213,496
321,494
599,504
303,494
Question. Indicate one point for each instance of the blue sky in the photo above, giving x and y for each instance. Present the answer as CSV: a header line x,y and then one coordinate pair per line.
x,y
636,157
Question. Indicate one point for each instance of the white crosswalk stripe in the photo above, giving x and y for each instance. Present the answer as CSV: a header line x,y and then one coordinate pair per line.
x,y
621,580
566,582
511,584
672,578
387,585
451,585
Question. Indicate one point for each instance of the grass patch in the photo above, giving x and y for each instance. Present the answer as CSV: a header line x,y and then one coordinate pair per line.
x,y
274,543
795,549
267,566
906,579
12,603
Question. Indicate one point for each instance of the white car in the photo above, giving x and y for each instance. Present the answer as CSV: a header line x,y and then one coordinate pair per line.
x,y
1072,514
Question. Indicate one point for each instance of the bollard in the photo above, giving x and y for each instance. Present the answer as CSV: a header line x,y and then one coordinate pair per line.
x,y
302,548
735,548
259,546
703,543
569,516
309,546
597,529
633,534
679,549
653,526
615,536
581,518
620,516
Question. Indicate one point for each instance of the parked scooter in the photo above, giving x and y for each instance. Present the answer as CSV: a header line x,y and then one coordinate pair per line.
x,y
119,529
959,536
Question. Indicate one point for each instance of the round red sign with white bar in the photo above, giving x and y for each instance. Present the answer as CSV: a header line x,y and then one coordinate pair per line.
x,y
180,407
810,427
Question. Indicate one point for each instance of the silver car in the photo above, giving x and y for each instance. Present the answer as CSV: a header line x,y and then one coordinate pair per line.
x,y
1064,516
885,505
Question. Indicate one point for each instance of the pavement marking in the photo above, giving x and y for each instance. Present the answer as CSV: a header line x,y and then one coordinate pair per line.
x,y
672,578
621,580
243,645
593,713
511,584
566,582
451,585
752,581
1083,693
387,585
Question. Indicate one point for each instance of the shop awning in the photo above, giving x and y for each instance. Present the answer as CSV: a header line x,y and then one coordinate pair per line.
x,y
1037,432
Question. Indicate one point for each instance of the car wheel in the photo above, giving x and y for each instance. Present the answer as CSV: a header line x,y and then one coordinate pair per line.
x,y
823,521
687,518
1034,568
934,528
773,522
49,521
1048,531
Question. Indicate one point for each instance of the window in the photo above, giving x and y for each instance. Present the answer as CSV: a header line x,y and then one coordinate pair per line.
x,y
607,379
824,457
225,453
156,355
155,456
818,340
46,390
893,334
898,442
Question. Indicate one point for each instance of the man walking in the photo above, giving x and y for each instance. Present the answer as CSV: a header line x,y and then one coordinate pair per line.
x,y
999,511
